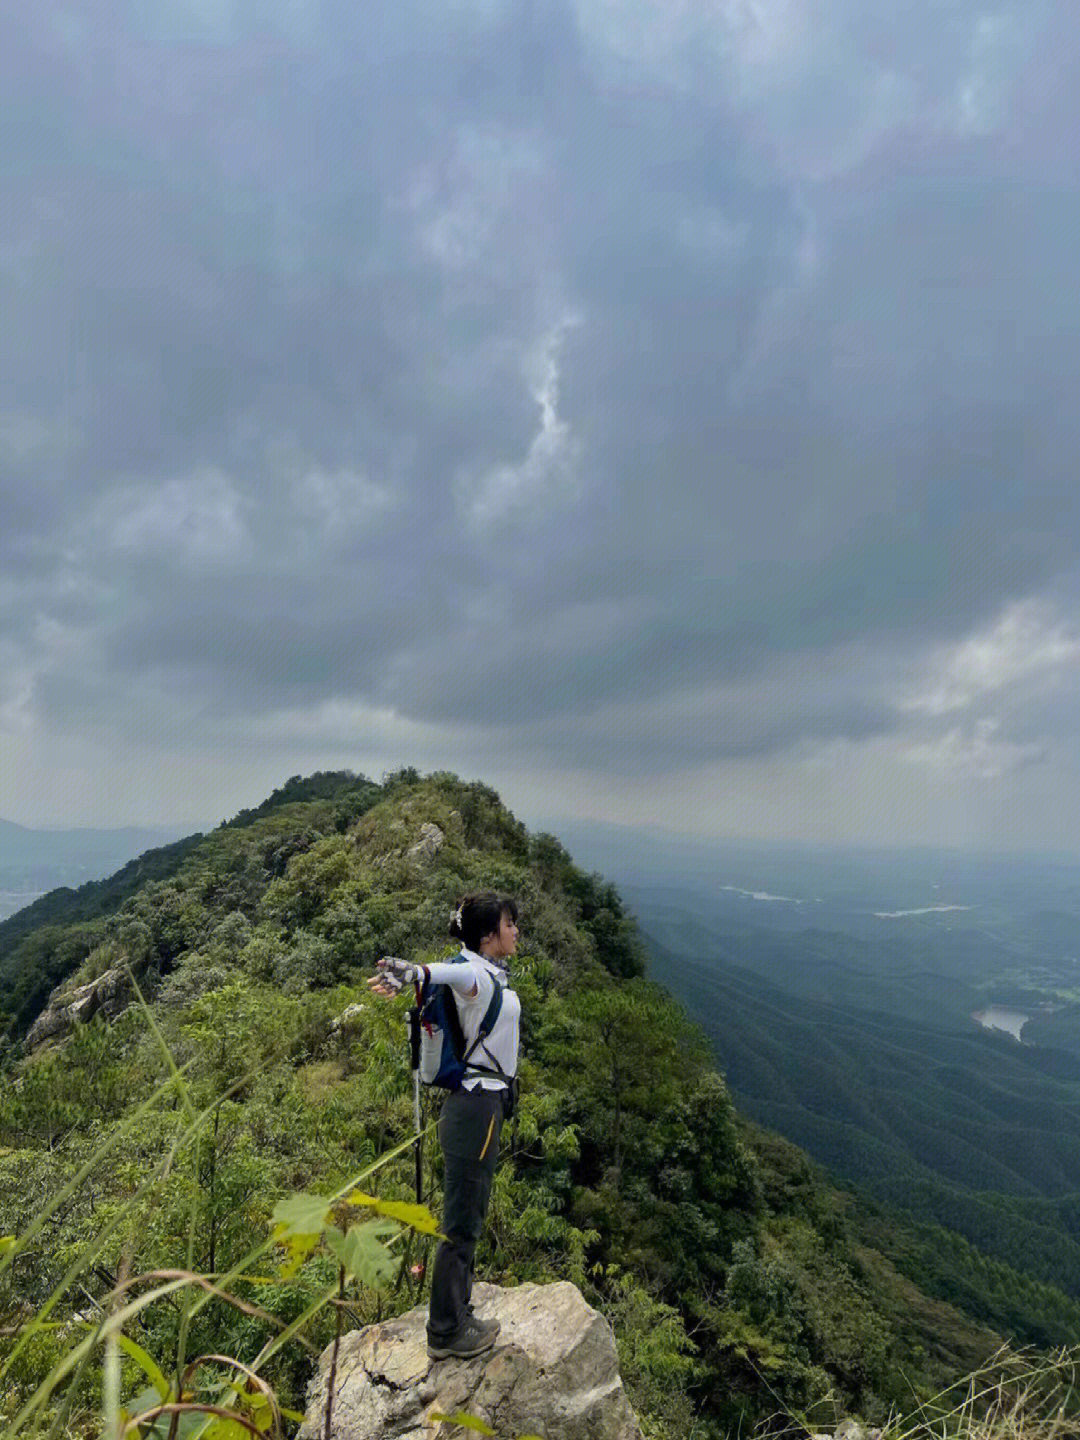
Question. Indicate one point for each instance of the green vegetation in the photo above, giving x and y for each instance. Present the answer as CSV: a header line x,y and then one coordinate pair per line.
x,y
740,1284
964,1145
42,943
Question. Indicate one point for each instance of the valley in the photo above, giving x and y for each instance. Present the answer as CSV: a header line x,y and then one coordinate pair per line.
x,y
926,1053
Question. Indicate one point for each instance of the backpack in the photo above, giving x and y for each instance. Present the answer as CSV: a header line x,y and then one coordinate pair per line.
x,y
443,1059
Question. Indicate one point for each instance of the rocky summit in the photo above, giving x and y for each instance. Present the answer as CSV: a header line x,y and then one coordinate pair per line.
x,y
553,1372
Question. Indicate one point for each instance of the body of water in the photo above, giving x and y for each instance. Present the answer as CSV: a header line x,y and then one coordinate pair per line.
x,y
923,910
997,1017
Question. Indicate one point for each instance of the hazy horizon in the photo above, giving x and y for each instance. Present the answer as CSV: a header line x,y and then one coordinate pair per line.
x,y
593,831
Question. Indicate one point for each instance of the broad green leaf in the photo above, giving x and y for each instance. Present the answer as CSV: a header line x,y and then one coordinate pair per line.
x,y
467,1422
299,1247
363,1253
257,1407
188,1425
162,1390
148,1399
298,1225
7,1242
417,1217
301,1215
221,1429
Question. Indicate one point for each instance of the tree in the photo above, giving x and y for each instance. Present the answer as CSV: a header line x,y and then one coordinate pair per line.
x,y
629,1052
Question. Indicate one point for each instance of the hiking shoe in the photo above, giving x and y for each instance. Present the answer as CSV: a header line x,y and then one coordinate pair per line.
x,y
474,1337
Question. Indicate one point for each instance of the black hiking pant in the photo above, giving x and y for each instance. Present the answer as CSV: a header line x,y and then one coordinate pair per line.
x,y
469,1128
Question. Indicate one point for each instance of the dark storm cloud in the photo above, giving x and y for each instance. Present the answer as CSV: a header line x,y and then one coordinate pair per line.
x,y
577,357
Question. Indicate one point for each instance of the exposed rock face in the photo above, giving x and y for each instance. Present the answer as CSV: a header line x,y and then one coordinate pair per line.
x,y
428,846
852,1430
553,1373
849,1430
349,1018
68,1008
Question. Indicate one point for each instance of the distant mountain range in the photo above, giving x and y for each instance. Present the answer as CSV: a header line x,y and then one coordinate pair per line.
x,y
33,862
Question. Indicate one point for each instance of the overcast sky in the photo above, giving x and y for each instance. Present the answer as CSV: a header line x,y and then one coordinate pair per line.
x,y
664,412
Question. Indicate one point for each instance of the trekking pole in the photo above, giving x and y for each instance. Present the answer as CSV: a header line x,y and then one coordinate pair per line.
x,y
414,1049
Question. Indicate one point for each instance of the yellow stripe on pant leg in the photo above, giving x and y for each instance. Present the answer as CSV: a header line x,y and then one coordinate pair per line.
x,y
487,1142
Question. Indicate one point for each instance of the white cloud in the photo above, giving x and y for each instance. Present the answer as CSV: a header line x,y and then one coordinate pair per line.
x,y
25,438
767,34
818,93
983,93
16,690
463,202
198,519
340,499
1026,644
784,312
974,752
547,477
706,233
340,722
50,647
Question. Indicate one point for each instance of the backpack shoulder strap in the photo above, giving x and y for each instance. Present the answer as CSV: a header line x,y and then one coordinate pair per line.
x,y
487,1024
491,1014
453,1019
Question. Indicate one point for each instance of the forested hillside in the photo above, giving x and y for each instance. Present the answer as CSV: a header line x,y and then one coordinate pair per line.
x,y
964,1145
738,1283
42,943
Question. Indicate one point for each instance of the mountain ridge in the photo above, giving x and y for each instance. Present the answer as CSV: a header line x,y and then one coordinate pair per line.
x,y
632,1174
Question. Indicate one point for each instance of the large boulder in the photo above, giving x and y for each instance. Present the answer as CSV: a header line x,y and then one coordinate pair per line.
x,y
553,1373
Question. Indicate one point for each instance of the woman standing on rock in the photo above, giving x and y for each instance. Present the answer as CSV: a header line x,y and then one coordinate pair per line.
x,y
472,1116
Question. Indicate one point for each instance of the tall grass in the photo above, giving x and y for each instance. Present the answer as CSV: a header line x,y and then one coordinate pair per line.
x,y
1017,1395
214,1396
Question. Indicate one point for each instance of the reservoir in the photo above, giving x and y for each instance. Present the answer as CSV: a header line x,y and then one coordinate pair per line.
x,y
997,1017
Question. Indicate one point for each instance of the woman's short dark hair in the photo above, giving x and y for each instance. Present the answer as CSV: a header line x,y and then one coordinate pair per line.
x,y
480,915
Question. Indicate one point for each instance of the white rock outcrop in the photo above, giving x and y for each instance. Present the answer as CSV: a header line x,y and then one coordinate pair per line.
x,y
67,1008
349,1018
553,1373
428,846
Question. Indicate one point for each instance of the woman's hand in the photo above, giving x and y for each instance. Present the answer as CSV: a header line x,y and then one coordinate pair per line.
x,y
393,975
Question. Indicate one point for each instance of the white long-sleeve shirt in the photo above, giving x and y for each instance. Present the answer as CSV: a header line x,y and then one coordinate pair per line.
x,y
478,973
